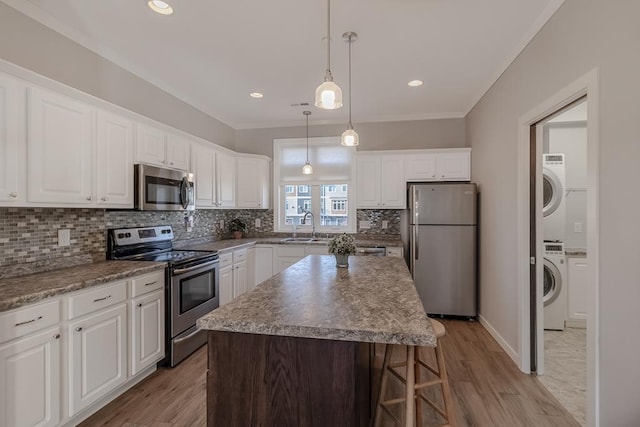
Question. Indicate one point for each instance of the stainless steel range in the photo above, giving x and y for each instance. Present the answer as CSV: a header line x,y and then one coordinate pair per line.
x,y
191,283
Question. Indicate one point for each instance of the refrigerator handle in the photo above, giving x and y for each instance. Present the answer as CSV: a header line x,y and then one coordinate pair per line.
x,y
415,242
415,204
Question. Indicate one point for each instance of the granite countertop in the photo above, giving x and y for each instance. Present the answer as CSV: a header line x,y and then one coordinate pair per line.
x,y
374,300
232,244
18,291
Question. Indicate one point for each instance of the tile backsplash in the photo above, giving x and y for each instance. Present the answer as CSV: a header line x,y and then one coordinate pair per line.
x,y
29,236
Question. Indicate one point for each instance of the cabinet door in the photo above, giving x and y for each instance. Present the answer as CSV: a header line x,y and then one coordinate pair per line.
x,y
421,167
264,184
30,380
393,192
59,149
97,356
11,138
368,185
263,266
226,284
226,176
248,183
150,145
316,250
204,168
454,166
114,160
147,330
239,278
578,276
178,153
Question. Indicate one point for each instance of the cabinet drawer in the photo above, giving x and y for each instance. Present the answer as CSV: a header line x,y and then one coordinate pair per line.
x,y
239,255
226,259
94,300
26,320
147,283
290,251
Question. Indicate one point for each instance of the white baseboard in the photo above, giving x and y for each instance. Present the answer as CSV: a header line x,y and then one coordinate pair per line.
x,y
501,341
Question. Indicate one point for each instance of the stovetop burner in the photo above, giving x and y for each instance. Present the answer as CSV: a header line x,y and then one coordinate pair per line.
x,y
177,256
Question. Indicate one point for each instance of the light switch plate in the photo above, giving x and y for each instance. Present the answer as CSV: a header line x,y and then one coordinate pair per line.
x,y
221,224
385,225
577,227
364,225
258,223
64,237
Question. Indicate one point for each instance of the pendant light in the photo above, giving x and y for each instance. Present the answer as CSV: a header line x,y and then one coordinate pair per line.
x,y
307,169
328,94
350,137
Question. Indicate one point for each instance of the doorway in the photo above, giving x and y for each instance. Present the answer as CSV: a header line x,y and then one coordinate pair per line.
x,y
531,245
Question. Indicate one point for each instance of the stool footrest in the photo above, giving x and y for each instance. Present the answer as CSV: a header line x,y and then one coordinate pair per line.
x,y
433,405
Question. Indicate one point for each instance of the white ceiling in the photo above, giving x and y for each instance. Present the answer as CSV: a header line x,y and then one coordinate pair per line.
x,y
213,54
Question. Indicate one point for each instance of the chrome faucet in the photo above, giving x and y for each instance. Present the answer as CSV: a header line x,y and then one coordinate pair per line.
x,y
313,223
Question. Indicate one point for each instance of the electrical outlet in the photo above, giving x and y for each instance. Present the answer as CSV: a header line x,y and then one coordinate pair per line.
x,y
577,227
221,224
385,225
258,223
364,225
64,237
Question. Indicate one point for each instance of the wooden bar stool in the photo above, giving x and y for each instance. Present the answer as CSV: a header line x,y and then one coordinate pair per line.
x,y
413,386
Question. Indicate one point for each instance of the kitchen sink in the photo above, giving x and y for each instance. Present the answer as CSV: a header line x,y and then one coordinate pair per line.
x,y
301,239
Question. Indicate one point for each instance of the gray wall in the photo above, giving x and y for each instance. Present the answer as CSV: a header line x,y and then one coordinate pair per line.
x,y
26,42
441,133
580,36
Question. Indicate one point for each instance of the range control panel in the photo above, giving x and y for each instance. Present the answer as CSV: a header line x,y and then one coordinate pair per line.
x,y
132,236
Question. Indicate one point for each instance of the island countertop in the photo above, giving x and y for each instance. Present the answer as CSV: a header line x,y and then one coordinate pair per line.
x,y
373,300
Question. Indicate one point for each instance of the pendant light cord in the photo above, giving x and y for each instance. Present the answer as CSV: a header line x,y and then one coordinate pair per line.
x,y
329,40
307,116
350,125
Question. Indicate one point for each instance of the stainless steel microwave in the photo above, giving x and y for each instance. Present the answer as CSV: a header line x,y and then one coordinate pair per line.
x,y
160,189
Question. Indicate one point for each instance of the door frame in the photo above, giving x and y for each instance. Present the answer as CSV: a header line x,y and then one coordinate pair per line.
x,y
588,85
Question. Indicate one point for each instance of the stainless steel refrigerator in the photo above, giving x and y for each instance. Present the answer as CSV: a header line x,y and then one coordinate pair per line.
x,y
442,246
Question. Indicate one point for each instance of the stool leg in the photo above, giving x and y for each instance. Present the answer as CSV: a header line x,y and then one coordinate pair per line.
x,y
416,371
388,349
410,388
446,391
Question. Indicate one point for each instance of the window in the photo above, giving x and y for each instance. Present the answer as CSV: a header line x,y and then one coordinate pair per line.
x,y
325,193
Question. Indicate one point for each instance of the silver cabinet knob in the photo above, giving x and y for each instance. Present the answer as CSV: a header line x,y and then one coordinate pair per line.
x,y
171,163
56,336
433,176
139,304
13,194
79,328
104,199
443,175
89,198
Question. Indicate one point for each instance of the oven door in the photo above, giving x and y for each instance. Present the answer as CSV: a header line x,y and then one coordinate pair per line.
x,y
194,293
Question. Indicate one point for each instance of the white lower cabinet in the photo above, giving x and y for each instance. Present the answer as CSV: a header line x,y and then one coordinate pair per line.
x,y
578,281
30,380
263,267
239,278
147,330
97,356
286,256
226,284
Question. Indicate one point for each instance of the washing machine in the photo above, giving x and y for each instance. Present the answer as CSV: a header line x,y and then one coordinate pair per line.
x,y
555,286
553,196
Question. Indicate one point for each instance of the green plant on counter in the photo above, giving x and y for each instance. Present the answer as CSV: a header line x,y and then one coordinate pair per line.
x,y
237,224
342,244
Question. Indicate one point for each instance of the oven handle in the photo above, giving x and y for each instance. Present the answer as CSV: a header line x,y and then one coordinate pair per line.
x,y
195,267
191,335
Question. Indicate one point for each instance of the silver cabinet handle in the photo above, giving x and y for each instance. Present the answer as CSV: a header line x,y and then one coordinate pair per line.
x,y
56,336
179,340
151,283
79,328
28,321
139,304
13,194
102,299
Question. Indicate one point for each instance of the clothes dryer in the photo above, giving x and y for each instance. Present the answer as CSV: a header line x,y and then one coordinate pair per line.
x,y
555,286
554,202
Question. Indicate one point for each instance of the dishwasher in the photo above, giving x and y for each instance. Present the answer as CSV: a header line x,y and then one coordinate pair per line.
x,y
381,251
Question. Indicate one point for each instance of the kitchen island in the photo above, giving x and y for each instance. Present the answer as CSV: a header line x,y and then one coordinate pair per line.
x,y
296,350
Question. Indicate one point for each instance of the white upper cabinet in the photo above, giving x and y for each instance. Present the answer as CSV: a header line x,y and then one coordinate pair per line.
x,y
178,152
226,180
439,165
252,182
157,147
12,156
60,149
381,182
204,168
114,171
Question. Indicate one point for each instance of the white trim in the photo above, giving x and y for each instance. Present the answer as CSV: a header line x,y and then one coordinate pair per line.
x,y
511,352
588,85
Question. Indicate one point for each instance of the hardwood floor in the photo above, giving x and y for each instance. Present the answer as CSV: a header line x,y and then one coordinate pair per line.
x,y
488,390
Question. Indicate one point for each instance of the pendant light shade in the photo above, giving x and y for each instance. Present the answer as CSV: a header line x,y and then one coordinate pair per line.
x,y
328,94
350,137
307,169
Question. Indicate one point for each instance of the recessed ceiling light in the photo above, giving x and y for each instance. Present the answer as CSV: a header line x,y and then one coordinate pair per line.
x,y
256,95
160,7
415,83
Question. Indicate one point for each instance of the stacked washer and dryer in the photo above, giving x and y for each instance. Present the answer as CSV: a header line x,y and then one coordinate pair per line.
x,y
554,223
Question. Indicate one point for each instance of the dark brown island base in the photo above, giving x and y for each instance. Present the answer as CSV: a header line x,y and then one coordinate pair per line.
x,y
296,351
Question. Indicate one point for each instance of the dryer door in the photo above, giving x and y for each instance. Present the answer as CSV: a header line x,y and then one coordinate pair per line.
x,y
551,192
552,282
